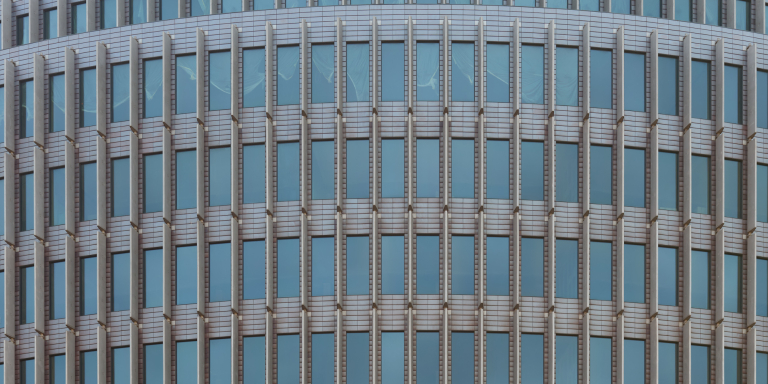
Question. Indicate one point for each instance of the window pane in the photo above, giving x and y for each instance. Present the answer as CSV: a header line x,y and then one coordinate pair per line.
x,y
58,369
761,287
567,78
700,184
153,363
427,357
153,183
199,8
79,18
667,185
462,357
323,266
600,270
153,87
392,168
186,274
393,357
762,368
497,363
358,68
253,261
27,294
253,174
253,78
88,207
153,278
732,189
463,168
169,9
620,6
732,283
683,10
87,97
121,80
358,366
56,290
700,359
220,268
323,164
533,170
652,9
88,287
358,169
323,358
287,359
634,82
634,273
428,166
186,179
667,276
590,5
2,115
22,30
27,108
701,100
634,361
668,83
533,74
51,24
186,82
497,268
229,6
497,174
121,281
700,279
392,265
567,172
532,265
186,361
427,71
220,362
254,358
288,268
27,203
532,359
427,265
567,359
56,196
462,265
220,78
601,174
2,206
761,105
138,11
497,67
634,177
713,10
601,78
567,268
121,191
732,366
600,360
288,75
668,363
56,97
220,179
288,171
392,71
358,262
27,371
462,71
89,367
732,94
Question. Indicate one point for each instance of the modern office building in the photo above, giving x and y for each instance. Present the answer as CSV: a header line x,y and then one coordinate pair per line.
x,y
388,193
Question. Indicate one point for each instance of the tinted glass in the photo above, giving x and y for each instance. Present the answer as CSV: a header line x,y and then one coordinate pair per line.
x,y
57,98
497,72
427,357
567,78
254,358
254,178
634,177
253,261
26,108
27,294
533,170
199,7
253,78
701,100
700,359
463,168
567,172
228,6
153,183
169,9
220,78
700,184
427,167
186,82
524,3
700,279
2,206
186,361
732,200
601,78
713,10
462,71
153,87
287,171
56,196
186,274
186,179
88,192
667,276
358,369
153,278
634,82
600,360
79,18
620,6
323,165
427,265
392,71
121,81
392,357
2,115
51,24
121,191
497,172
358,169
462,357
497,358
532,266
667,91
532,359
288,75
27,202
220,176
392,265
532,74
567,268
263,4
27,372
220,269
153,363
392,168
427,71
497,268
358,263
288,268
22,30
58,369
323,266
89,367
668,363
732,95
652,8
138,11
87,97
732,362
761,105
601,174
634,361
323,358
667,168
56,290
761,364
600,270
567,359
288,359
732,283
683,10
121,281
634,273
323,73
761,287
462,265
358,68
220,361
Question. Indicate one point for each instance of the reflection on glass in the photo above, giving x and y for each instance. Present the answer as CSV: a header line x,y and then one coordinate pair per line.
x,y
121,80
427,71
323,266
358,169
88,207
683,10
497,358
288,75
700,359
668,90
761,287
567,359
497,171
220,79
601,78
153,183
533,170
567,78
732,94
497,71
732,198
532,74
634,177
186,179
393,357
700,185
427,265
186,83
634,81
253,174
51,24
358,264
108,15
186,275
667,276
254,359
427,167
121,281
462,265
88,97
153,88
392,265
358,369
79,18
462,69
153,278
153,363
199,7
532,265
27,294
392,69
713,12
220,361
600,360
427,357
323,163
761,104
138,11
57,289
56,98
220,269
497,260
701,100
667,185
532,358
601,175
288,171
732,274
254,80
358,68
56,196
288,359
634,273
287,267
27,201
732,374
700,279
220,176
600,270
186,361
392,168
462,168
567,268
27,108
322,358
22,30
567,172
323,73
668,363
634,361
88,288
462,357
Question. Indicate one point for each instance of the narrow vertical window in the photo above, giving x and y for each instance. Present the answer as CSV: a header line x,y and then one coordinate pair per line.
x,y
532,358
323,165
57,289
88,207
57,369
88,288
27,294
462,265
668,84
153,363
89,367
634,81
761,104
700,184
220,361
26,108
287,359
392,168
600,270
532,265
153,183
761,364
186,83
288,75
524,3
288,171
26,201
567,78
427,265
220,270
427,71
732,94
497,358
254,86
56,98
121,281
497,72
701,99
463,168
186,275
323,358
700,279
139,11
79,18
87,97
108,13
153,88
254,262
186,179
567,359
358,263
634,361
220,79
22,30
668,363
358,365
621,6
392,71
2,113
533,170
393,357
497,171
462,71
358,169
743,15
700,360
732,283
186,361
567,172
121,193
667,276
683,10
56,196
601,78
634,273
358,68
169,9
287,267
497,268
229,6
427,167
652,9
27,371
761,287
634,177
427,357
2,208
567,268
254,359
601,174
462,357
153,278
199,8
532,74
392,265
259,5
732,374
51,24
667,185
732,198
220,176
600,360
254,175
323,266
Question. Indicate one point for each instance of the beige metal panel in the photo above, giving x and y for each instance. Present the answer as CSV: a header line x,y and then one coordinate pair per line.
x,y
751,240
90,10
620,206
719,211
9,106
101,315
654,225
151,11
70,350
515,196
585,238
34,20
9,348
686,239
134,309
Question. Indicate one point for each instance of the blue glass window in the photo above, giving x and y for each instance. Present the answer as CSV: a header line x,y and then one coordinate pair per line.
x,y
186,275
713,12
186,179
27,201
186,361
79,18
56,196
22,30
51,24
392,168
87,97
427,167
462,265
667,169
668,363
497,171
121,80
2,114
600,360
761,368
288,359
254,78
220,361
89,367
634,177
153,363
88,287
463,168
497,72
220,176
323,358
533,170
153,183
732,200
683,10
392,265
732,283
229,6
567,172
2,208
186,82
653,9
567,359
532,266
700,279
634,273
323,73
358,169
701,99
56,290
761,105
393,357
601,78
497,358
634,361
254,177
254,260
153,87
199,7
121,191
427,357
732,94
220,269
169,9
761,287
524,3
567,268
497,260
620,6
56,98
427,265
153,278
254,358
532,74
601,174
358,263
358,366
139,11
393,71
121,282
462,71
87,191
323,266
462,357
732,374
567,79
27,108
427,71
323,164
600,270
634,81
220,78
700,184
288,268
58,369
27,372
532,359
668,84
700,360
667,275
288,75
358,68
288,171
27,294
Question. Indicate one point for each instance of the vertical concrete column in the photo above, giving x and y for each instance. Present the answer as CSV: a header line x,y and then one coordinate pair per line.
x,y
669,7
135,231
759,18
268,217
751,177
620,205
90,17
9,215
7,25
340,145
34,25
39,213
654,223
701,11
61,18
686,239
515,195
446,193
304,238
550,218
201,224
234,151
730,14
150,10
120,13
9,135
585,188
69,211
101,209
167,218
375,197
481,195
410,330
719,212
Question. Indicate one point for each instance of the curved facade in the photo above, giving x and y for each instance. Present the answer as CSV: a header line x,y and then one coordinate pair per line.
x,y
384,193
